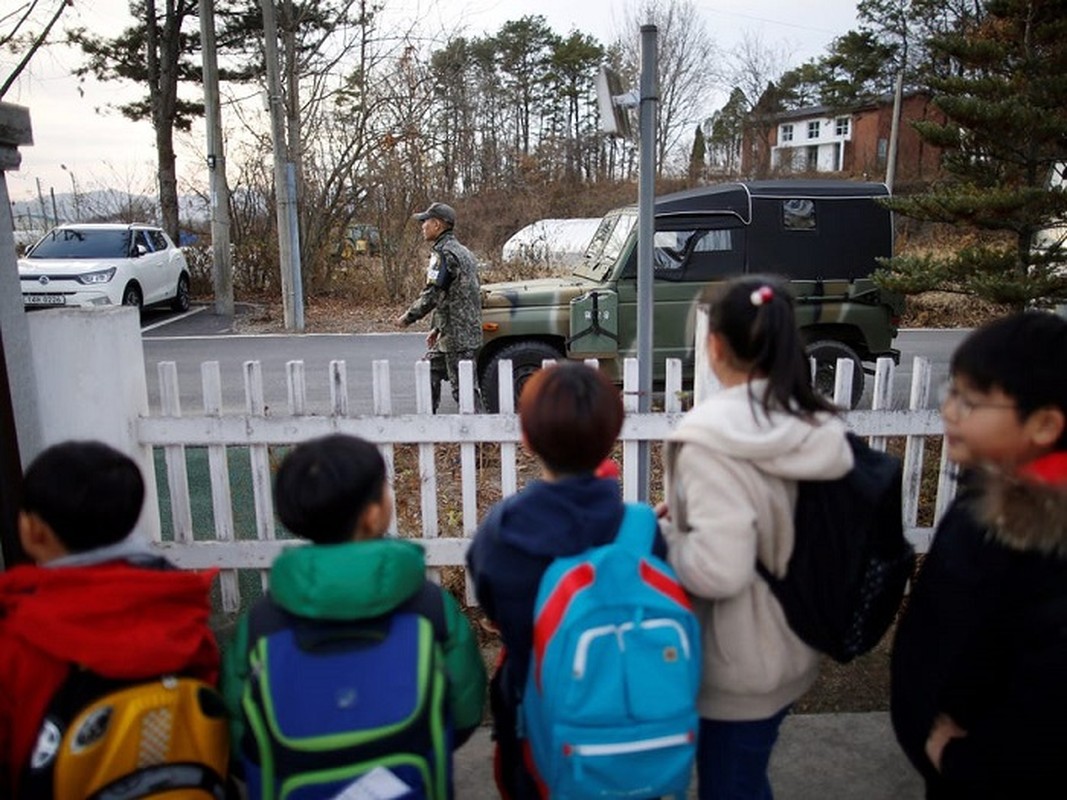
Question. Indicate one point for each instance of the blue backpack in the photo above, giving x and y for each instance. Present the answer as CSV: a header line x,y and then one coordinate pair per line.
x,y
609,708
331,703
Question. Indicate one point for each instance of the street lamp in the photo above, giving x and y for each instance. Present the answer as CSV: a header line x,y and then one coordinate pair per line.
x,y
74,190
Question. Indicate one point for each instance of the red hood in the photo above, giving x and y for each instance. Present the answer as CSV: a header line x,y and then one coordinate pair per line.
x,y
118,620
1050,469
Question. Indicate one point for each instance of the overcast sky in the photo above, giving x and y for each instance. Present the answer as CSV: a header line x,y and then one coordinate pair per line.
x,y
72,129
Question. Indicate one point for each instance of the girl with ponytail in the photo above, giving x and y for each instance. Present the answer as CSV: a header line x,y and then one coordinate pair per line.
x,y
732,468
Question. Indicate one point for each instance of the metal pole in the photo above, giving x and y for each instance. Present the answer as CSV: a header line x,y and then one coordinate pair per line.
x,y
222,273
646,191
277,129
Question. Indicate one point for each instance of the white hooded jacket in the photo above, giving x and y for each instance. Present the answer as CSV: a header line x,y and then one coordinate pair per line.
x,y
731,484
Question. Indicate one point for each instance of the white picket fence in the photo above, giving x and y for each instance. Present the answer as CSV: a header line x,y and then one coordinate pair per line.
x,y
255,431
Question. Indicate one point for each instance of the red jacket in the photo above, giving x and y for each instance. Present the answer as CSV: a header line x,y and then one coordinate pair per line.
x,y
116,619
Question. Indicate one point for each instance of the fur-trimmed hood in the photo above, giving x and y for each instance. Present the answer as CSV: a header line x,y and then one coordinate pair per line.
x,y
1027,510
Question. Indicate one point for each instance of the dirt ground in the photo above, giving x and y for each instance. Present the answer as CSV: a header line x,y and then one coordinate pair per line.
x,y
862,685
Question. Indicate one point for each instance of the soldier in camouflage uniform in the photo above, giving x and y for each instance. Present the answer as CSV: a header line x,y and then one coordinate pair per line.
x,y
453,293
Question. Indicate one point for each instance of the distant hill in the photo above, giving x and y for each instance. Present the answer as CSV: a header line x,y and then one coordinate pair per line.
x,y
101,205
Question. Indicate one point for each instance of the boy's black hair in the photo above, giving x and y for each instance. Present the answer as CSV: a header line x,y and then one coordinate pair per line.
x,y
324,484
754,314
1024,355
571,415
88,493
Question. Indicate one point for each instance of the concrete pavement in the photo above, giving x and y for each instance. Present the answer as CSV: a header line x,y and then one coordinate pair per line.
x,y
818,757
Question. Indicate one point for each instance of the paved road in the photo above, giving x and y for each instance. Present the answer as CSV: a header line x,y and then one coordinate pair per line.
x,y
189,340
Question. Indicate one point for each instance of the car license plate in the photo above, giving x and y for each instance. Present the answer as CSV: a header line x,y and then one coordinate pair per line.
x,y
44,300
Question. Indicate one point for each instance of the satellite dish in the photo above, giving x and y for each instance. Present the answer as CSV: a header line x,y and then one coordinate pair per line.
x,y
613,103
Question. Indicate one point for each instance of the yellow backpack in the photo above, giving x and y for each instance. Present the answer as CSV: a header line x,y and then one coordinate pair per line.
x,y
161,738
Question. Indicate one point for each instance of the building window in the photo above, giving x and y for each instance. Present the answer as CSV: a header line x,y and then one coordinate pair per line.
x,y
841,126
813,129
813,158
787,133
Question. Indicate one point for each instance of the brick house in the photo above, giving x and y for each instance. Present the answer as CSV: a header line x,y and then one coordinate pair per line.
x,y
853,143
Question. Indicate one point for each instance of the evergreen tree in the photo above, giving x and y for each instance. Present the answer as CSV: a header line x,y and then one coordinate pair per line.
x,y
697,156
1006,129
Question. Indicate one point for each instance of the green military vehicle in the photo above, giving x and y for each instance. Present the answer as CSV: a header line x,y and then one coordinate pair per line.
x,y
821,235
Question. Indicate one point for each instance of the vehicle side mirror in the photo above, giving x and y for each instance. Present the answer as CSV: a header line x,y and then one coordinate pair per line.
x,y
140,249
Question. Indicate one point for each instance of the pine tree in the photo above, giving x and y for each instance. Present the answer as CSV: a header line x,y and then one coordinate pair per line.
x,y
697,156
1005,102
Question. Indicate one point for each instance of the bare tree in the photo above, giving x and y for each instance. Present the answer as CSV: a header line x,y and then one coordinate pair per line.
x,y
689,67
19,31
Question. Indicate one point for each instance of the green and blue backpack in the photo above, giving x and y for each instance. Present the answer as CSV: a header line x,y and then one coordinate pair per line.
x,y
331,703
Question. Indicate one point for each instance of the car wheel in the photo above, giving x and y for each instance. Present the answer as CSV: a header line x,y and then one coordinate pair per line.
x,y
826,352
525,358
131,296
181,295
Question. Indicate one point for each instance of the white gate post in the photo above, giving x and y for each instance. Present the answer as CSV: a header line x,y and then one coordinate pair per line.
x,y
90,376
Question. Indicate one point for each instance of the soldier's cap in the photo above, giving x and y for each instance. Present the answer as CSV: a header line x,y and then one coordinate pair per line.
x,y
440,211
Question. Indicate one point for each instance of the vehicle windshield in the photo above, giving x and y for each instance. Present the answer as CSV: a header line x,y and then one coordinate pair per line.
x,y
82,243
607,243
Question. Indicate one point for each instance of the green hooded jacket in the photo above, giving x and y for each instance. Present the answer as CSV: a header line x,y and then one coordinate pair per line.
x,y
361,580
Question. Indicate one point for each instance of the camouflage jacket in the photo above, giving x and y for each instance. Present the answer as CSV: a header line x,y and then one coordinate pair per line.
x,y
456,300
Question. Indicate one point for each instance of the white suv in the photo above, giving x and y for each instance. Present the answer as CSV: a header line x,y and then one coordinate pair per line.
x,y
104,264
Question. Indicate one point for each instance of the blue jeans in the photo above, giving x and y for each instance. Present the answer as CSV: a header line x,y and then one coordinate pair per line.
x,y
732,758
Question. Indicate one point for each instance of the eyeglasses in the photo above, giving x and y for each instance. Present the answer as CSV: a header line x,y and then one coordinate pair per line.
x,y
949,394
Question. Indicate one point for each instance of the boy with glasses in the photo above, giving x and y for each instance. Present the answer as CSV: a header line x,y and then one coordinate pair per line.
x,y
979,664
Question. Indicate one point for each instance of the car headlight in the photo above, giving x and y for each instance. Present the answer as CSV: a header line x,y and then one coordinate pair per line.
x,y
103,276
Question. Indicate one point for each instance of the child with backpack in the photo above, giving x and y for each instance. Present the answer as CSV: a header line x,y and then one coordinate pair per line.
x,y
97,610
355,671
978,695
536,562
731,473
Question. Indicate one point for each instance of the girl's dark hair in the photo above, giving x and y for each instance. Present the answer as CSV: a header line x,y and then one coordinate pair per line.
x,y
323,485
88,493
571,415
754,315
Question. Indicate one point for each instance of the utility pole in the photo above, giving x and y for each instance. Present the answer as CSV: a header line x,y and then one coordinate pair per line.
x,y
222,274
646,227
894,133
284,199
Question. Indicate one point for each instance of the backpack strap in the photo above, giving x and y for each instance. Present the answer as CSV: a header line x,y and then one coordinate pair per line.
x,y
637,531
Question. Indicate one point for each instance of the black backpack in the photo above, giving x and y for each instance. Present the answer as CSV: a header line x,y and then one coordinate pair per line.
x,y
850,563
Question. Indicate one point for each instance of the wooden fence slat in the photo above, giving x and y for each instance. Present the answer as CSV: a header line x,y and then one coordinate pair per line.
x,y
219,470
509,473
297,388
338,388
467,468
844,375
259,459
181,513
915,446
383,406
672,396
882,395
427,465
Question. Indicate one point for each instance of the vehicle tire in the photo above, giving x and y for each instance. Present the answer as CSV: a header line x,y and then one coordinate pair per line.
x,y
181,295
131,296
826,352
525,357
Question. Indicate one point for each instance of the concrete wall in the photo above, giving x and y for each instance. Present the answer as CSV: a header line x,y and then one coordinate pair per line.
x,y
90,384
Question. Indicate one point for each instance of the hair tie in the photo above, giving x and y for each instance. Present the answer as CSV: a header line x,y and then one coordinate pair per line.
x,y
763,294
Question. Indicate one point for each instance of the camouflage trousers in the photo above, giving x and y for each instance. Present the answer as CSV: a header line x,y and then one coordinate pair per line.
x,y
444,366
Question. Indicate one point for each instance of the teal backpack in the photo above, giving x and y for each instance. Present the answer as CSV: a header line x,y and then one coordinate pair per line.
x,y
609,708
